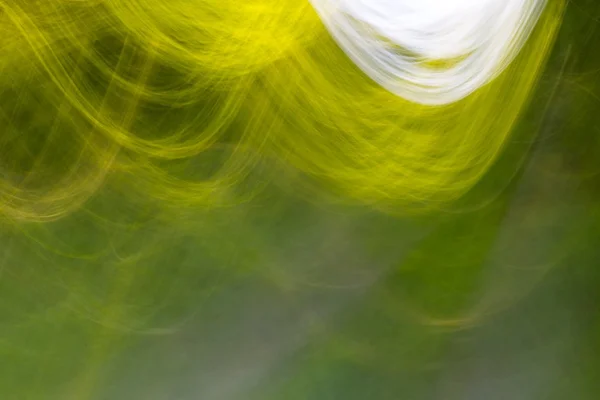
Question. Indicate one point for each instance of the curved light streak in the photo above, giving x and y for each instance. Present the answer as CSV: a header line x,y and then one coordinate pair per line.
x,y
432,52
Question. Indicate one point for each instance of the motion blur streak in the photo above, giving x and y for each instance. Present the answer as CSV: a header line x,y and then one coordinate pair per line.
x,y
431,51
135,87
294,199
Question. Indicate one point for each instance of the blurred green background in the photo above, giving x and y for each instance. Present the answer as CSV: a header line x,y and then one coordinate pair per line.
x,y
281,298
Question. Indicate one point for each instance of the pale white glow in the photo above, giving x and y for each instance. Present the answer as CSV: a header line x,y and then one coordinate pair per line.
x,y
395,41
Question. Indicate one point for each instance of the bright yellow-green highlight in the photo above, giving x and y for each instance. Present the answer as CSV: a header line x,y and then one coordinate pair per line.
x,y
181,101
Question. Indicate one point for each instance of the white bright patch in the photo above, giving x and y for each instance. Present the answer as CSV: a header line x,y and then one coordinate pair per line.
x,y
392,41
